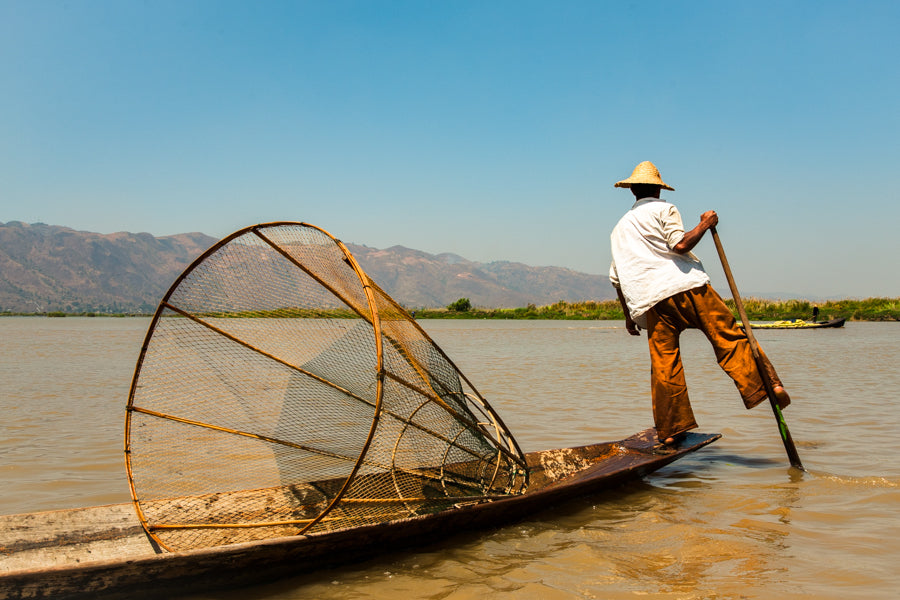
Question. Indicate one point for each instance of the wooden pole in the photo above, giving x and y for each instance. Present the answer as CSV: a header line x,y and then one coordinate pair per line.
x,y
793,456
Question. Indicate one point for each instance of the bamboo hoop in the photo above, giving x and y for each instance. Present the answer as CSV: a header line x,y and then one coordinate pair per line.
x,y
351,492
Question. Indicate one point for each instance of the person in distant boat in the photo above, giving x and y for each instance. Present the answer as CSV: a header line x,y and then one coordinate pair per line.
x,y
663,288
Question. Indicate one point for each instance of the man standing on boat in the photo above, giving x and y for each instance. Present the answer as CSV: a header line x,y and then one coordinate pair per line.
x,y
663,288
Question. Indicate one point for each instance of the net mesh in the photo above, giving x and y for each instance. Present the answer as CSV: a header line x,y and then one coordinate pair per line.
x,y
279,391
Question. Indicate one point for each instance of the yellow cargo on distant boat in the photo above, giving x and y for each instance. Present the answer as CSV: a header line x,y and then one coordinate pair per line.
x,y
799,324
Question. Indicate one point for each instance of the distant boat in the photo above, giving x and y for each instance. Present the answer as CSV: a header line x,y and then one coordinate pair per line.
x,y
800,324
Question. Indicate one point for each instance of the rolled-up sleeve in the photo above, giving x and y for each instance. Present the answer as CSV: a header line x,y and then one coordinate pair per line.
x,y
672,227
613,275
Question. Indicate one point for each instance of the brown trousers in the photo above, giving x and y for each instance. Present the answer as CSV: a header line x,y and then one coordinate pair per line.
x,y
700,308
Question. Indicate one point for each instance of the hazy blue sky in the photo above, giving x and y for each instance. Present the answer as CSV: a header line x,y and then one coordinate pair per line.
x,y
494,130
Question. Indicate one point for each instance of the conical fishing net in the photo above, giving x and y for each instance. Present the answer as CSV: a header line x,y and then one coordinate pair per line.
x,y
279,391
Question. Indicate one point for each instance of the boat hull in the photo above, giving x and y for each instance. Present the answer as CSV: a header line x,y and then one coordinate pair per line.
x,y
801,325
102,552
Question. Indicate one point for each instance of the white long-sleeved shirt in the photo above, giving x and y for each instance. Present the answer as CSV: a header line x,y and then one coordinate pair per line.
x,y
644,266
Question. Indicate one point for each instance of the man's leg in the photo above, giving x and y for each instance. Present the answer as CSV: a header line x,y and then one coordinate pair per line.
x,y
672,411
732,347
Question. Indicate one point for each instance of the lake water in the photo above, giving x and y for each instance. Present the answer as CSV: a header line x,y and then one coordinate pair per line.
x,y
730,521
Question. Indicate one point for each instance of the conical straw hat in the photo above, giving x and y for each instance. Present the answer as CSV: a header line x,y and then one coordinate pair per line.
x,y
646,172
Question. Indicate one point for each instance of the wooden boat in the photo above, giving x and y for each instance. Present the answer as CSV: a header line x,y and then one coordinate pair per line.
x,y
103,552
800,324
287,414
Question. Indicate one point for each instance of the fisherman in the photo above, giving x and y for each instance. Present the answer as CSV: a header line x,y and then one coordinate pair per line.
x,y
663,288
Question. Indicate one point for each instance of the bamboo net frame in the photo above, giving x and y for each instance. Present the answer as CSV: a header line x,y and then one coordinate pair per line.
x,y
279,391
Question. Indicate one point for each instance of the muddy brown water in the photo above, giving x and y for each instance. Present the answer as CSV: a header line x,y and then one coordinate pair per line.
x,y
731,521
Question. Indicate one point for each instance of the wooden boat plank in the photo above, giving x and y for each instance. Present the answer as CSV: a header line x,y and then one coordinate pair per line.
x,y
101,552
71,537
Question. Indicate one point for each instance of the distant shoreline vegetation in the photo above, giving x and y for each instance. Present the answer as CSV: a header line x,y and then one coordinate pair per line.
x,y
870,309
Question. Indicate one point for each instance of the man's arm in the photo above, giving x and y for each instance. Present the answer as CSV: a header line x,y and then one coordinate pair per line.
x,y
708,220
630,326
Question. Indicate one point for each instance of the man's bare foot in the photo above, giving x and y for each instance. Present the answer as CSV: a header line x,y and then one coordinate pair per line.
x,y
781,396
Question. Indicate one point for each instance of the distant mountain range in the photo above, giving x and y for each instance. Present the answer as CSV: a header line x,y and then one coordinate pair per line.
x,y
47,268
